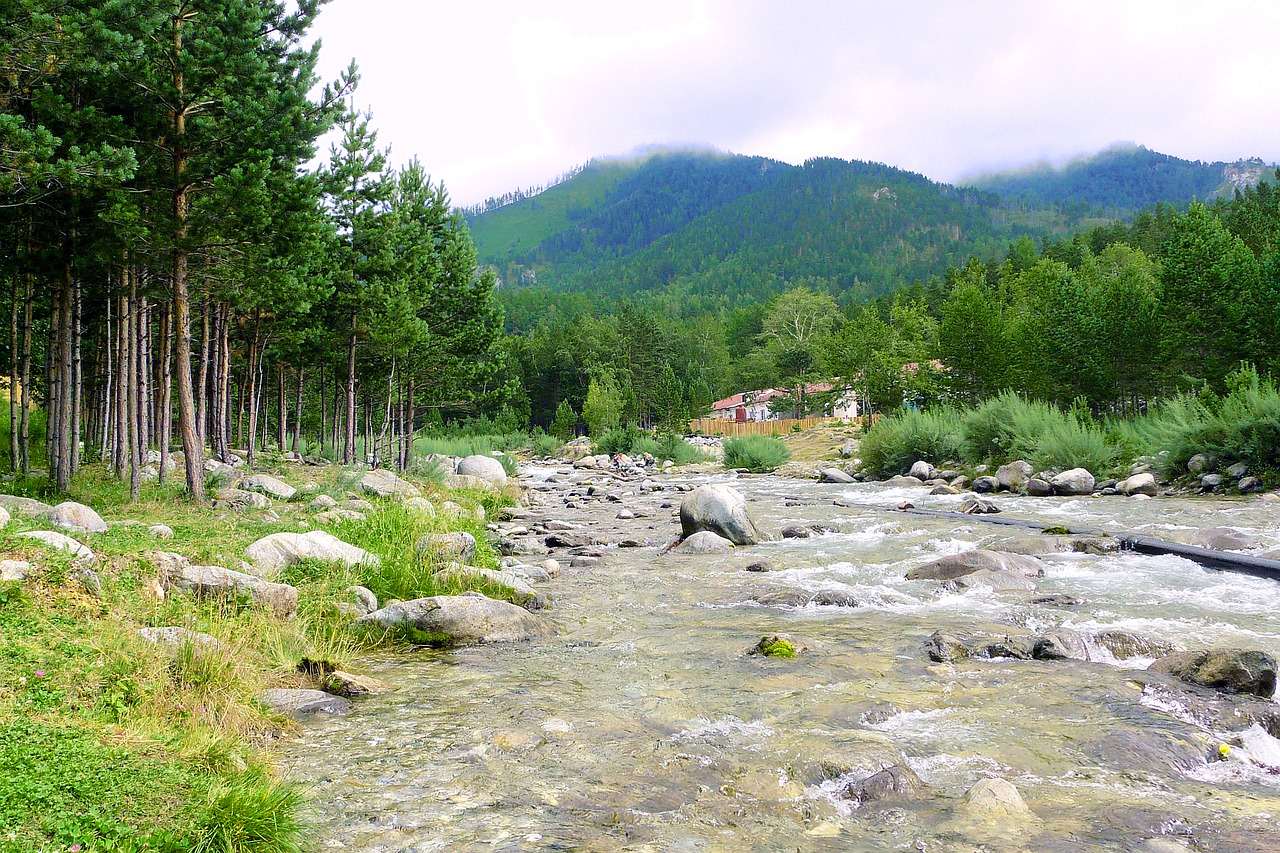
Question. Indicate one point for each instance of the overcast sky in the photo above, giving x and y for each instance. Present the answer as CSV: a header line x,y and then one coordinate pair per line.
x,y
492,95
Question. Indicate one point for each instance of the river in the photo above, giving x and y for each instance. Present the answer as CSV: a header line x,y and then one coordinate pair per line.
x,y
646,726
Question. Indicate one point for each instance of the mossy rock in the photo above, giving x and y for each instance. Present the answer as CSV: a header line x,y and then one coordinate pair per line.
x,y
777,646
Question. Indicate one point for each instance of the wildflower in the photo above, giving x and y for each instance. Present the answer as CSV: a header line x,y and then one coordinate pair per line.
x,y
39,673
74,848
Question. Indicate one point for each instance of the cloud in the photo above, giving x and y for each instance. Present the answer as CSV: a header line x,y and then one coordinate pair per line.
x,y
497,95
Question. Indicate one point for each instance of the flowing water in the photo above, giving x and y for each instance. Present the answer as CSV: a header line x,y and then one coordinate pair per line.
x,y
646,726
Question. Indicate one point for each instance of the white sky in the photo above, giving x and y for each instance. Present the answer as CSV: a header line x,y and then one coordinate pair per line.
x,y
492,95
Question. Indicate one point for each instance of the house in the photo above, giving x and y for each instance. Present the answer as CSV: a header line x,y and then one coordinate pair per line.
x,y
754,405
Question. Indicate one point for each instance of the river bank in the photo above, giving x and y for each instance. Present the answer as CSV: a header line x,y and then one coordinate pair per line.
x,y
647,725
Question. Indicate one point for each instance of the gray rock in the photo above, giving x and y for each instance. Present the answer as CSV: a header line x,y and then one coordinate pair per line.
x,y
322,502
1224,539
901,481
849,449
1249,484
783,598
160,531
357,505
174,638
945,648
1209,482
864,759
896,783
364,598
1038,488
522,546
79,553
30,507
1074,481
1124,645
796,531
176,572
459,545
273,553
1014,476
484,467
1060,644
1238,470
338,515
704,542
14,570
265,484
1139,484
760,566
466,481
721,510
922,471
351,686
977,506
70,515
1017,648
303,704
985,485
993,804
835,475
469,618
954,566
1222,669
420,505
998,581
1202,463
239,499
1095,545
944,490
510,580
385,484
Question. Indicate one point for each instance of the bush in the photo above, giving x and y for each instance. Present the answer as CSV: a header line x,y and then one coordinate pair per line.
x,y
1007,427
896,442
757,453
545,445
1071,444
636,442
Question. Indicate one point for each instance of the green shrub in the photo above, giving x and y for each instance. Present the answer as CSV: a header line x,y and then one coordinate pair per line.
x,y
1007,427
251,814
615,441
756,453
545,445
896,442
1071,444
636,442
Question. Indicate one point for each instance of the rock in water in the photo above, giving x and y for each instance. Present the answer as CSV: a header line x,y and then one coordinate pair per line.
x,y
993,805
484,467
954,566
273,553
704,542
1014,476
471,618
1060,644
945,648
721,510
301,704
835,475
1075,481
1224,670
1140,484
70,515
898,782
1224,539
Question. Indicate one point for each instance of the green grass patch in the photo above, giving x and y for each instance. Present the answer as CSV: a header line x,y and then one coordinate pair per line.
x,y
633,441
757,453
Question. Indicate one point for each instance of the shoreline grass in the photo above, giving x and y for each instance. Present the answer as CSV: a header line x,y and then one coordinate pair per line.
x,y
112,742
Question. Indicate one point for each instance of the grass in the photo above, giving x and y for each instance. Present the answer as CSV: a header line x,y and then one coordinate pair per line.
x,y
633,441
113,743
757,453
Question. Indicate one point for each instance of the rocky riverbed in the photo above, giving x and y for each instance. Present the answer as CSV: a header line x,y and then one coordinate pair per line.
x,y
647,723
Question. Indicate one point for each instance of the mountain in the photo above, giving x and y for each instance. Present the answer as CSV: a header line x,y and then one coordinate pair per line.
x,y
1122,180
732,228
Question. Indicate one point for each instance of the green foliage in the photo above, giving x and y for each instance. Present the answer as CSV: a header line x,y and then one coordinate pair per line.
x,y
894,444
757,453
635,442
1005,428
602,410
566,419
545,445
251,814
1071,444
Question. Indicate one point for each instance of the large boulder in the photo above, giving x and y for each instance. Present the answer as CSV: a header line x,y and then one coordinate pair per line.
x,y
1073,481
835,475
954,566
1225,670
1124,645
78,552
70,515
995,581
1060,644
898,782
1014,476
484,467
273,553
922,471
471,618
902,481
468,481
1139,484
721,510
1224,539
385,484
176,572
265,484
992,806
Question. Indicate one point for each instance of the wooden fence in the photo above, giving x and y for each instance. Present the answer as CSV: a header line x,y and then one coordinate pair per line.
x,y
727,426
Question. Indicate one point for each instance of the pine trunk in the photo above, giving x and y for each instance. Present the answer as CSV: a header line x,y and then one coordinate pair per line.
x,y
297,414
349,451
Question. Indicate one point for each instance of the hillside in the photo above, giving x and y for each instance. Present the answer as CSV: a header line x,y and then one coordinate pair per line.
x,y
739,228
1121,180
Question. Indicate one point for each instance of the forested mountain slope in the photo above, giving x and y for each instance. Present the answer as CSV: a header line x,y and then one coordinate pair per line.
x,y
738,228
1121,180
